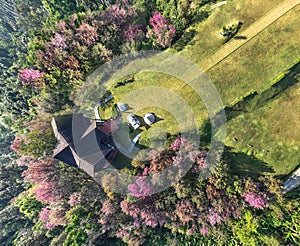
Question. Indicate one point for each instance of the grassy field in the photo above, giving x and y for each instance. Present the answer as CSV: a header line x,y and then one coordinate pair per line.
x,y
261,60
272,130
205,38
266,136
271,133
160,94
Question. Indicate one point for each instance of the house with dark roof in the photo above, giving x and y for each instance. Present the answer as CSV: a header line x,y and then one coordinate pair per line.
x,y
84,143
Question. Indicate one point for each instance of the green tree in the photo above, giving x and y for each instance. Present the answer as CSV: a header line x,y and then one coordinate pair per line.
x,y
246,229
29,206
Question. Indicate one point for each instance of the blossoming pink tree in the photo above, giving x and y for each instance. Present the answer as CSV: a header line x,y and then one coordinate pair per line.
x,y
75,199
161,31
145,212
185,210
58,41
29,76
118,16
53,216
47,192
134,33
214,217
45,217
140,188
256,200
87,34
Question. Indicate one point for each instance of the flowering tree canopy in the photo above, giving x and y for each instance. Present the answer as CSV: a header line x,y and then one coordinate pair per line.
x,y
185,210
256,200
214,217
75,199
161,31
58,41
45,217
87,34
134,33
118,15
28,76
47,192
140,188
53,216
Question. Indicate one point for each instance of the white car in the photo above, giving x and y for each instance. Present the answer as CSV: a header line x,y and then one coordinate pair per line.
x,y
133,121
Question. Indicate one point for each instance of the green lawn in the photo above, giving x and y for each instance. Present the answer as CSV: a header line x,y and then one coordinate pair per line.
x,y
271,133
206,34
262,59
162,95
266,135
107,111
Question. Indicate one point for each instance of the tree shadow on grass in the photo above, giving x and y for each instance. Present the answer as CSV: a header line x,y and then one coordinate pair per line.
x,y
128,107
240,37
185,39
200,16
256,100
286,176
125,134
245,165
157,119
205,132
122,160
143,123
239,162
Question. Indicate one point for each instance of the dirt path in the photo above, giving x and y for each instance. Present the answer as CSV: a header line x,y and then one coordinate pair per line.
x,y
250,32
217,5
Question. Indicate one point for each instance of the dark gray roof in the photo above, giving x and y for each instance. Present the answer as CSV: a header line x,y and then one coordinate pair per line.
x,y
81,144
66,156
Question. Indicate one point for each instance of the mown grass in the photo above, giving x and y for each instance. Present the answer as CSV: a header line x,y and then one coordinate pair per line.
x,y
107,111
261,60
206,34
161,94
272,129
271,133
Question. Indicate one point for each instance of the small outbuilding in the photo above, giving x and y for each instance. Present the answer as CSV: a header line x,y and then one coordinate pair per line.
x,y
149,118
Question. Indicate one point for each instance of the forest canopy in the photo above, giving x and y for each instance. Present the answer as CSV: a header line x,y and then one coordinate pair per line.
x,y
48,49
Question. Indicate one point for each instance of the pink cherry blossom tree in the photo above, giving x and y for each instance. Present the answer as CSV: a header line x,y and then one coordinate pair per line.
x,y
204,230
145,212
75,199
134,33
256,200
185,210
58,41
29,76
87,34
214,217
47,192
160,31
45,217
140,188
53,216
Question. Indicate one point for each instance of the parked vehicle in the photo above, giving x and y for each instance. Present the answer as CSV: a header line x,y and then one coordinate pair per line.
x,y
133,121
